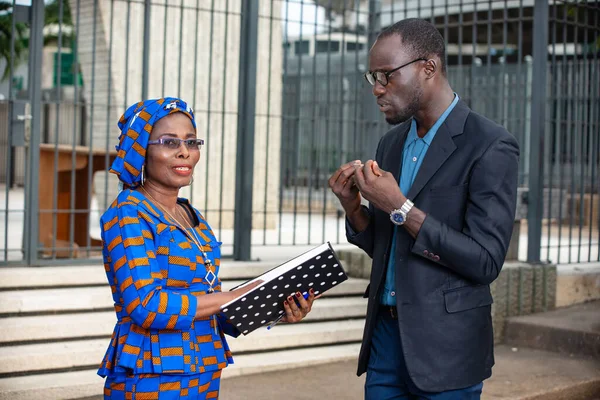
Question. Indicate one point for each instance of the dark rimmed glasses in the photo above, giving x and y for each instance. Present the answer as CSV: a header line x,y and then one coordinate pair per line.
x,y
383,76
174,143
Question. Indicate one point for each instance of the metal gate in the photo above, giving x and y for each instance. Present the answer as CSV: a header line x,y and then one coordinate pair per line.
x,y
87,61
279,96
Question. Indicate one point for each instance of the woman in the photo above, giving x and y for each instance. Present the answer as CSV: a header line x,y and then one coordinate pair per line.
x,y
162,262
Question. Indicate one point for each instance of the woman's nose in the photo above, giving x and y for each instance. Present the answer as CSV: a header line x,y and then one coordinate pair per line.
x,y
184,152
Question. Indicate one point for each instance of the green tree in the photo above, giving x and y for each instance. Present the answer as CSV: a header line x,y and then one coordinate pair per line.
x,y
20,46
52,16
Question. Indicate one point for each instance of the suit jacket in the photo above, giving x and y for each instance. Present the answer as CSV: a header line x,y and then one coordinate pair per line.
x,y
467,186
155,272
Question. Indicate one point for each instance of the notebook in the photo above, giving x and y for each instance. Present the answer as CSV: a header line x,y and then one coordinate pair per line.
x,y
319,269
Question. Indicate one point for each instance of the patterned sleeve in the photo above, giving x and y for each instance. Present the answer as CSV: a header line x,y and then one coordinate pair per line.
x,y
131,253
227,326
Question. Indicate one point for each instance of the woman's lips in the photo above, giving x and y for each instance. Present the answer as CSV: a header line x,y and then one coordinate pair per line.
x,y
183,170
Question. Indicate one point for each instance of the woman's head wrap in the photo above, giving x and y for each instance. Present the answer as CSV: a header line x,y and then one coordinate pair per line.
x,y
136,125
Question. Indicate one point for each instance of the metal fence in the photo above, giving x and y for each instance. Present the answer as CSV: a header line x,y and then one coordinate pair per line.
x,y
279,96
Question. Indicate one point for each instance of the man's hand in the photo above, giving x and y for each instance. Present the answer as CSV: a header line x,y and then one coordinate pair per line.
x,y
342,185
378,186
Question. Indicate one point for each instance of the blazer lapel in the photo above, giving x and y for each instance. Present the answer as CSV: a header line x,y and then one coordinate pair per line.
x,y
441,148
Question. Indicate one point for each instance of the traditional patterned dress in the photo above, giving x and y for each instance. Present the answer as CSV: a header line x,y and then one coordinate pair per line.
x,y
158,350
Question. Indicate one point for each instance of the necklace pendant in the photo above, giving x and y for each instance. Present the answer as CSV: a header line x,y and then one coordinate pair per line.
x,y
211,278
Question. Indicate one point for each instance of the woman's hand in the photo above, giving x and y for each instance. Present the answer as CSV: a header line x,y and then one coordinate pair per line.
x,y
293,313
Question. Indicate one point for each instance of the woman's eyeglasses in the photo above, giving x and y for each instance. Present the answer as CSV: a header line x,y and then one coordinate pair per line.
x,y
174,143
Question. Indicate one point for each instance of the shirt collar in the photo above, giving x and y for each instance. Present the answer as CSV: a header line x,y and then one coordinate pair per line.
x,y
428,138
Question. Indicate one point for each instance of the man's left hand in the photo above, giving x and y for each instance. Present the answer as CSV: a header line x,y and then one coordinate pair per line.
x,y
379,187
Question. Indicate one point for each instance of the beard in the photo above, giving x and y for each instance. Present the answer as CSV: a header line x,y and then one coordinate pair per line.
x,y
411,109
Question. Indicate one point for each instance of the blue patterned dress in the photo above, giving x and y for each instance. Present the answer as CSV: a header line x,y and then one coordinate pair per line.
x,y
155,272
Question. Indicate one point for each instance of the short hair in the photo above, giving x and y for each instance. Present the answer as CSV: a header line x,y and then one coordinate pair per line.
x,y
422,38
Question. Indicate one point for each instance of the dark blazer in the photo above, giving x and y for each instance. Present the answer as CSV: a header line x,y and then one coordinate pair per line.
x,y
467,186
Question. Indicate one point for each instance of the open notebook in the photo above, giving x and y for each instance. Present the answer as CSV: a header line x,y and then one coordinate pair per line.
x,y
318,268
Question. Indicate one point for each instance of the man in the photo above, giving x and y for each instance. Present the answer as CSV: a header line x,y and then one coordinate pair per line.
x,y
442,195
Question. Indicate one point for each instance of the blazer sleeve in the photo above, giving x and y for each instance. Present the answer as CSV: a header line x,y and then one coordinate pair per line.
x,y
131,254
478,252
365,238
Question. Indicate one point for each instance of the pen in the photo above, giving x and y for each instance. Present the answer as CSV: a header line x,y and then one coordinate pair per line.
x,y
272,324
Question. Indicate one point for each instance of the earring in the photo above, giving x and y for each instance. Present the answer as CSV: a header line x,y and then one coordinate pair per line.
x,y
142,175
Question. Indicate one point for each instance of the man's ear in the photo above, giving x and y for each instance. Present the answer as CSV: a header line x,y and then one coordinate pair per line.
x,y
431,68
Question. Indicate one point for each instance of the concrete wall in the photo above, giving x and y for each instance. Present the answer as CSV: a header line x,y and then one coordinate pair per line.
x,y
188,48
577,283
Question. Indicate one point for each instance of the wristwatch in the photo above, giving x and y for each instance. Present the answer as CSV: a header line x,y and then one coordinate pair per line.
x,y
399,216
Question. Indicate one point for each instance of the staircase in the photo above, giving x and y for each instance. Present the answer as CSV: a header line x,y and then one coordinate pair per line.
x,y
558,351
55,325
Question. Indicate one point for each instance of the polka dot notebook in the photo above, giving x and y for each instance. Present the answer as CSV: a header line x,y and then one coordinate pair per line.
x,y
318,268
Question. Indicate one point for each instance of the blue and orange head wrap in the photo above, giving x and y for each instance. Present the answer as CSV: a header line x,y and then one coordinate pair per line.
x,y
136,125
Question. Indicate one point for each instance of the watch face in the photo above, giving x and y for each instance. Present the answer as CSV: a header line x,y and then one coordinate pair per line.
x,y
398,218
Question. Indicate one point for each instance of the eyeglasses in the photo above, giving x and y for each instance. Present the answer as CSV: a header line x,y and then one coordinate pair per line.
x,y
174,143
383,76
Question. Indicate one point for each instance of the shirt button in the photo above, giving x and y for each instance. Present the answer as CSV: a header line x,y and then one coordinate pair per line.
x,y
392,294
414,159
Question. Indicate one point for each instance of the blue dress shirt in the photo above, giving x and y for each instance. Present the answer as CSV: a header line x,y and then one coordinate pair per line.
x,y
413,154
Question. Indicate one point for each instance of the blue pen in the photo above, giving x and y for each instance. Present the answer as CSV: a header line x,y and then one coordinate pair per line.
x,y
272,324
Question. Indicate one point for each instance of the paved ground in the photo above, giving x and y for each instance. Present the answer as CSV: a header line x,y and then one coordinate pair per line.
x,y
518,374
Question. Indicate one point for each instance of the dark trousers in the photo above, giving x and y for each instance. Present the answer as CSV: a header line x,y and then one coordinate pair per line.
x,y
387,376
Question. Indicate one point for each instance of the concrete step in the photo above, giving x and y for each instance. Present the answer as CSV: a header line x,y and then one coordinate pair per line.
x,y
92,275
577,283
529,374
30,358
525,374
570,330
79,384
14,302
100,324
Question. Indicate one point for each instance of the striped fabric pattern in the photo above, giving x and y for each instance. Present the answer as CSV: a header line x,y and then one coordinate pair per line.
x,y
163,387
155,273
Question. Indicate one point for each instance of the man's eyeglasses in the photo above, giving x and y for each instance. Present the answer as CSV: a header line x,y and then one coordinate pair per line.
x,y
174,143
383,76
